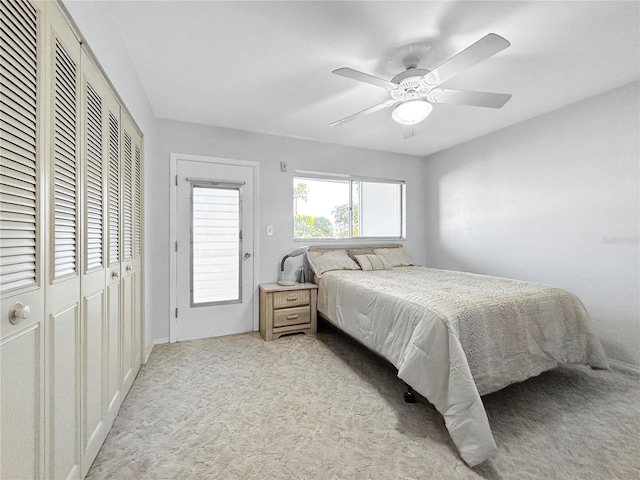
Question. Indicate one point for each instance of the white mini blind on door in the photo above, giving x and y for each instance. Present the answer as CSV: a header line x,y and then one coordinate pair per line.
x,y
137,203
216,244
18,130
94,196
65,200
113,190
127,200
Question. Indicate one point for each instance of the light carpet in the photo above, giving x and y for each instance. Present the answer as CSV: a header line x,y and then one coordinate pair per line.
x,y
324,407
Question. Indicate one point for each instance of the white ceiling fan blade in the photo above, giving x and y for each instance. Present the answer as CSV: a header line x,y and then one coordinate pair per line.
x,y
484,48
365,77
362,113
408,131
464,97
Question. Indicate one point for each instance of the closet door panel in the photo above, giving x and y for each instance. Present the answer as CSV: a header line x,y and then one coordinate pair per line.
x,y
127,175
63,332
113,351
128,374
93,388
112,273
63,392
94,374
21,240
20,396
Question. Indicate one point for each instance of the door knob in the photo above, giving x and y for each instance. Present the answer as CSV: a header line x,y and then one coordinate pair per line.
x,y
128,268
114,274
247,255
18,312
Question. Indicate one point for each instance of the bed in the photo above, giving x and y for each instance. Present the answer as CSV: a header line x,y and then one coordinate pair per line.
x,y
453,336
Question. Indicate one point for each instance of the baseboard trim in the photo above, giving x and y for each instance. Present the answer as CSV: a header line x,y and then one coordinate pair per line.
x,y
149,348
624,367
147,352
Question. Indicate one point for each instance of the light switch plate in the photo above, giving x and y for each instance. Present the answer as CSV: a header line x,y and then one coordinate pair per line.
x,y
283,166
269,230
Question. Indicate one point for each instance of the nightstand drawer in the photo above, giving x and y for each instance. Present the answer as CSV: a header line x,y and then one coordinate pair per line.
x,y
291,316
290,299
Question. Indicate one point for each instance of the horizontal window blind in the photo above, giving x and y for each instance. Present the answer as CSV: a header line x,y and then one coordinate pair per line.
x,y
127,205
18,160
113,190
65,201
216,245
93,193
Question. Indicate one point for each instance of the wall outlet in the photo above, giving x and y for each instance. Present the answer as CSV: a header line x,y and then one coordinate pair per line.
x,y
269,230
283,166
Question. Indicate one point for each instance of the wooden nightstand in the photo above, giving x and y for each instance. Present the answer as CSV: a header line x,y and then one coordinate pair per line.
x,y
287,309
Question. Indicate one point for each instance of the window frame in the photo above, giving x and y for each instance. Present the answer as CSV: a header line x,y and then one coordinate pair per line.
x,y
335,177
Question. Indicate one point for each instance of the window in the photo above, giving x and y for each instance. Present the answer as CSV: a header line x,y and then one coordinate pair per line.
x,y
335,207
215,243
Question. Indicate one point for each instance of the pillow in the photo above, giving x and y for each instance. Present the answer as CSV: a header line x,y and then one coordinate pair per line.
x,y
330,260
352,252
372,262
395,257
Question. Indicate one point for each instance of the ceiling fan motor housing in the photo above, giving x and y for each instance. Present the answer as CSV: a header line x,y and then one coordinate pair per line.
x,y
410,86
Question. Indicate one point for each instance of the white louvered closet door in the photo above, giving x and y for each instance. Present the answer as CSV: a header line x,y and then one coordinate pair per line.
x,y
21,241
63,304
112,247
97,102
128,370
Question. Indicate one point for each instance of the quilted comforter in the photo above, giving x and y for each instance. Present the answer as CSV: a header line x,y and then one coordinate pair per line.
x,y
455,336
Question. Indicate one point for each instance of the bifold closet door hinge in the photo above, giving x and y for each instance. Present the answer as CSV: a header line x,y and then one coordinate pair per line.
x,y
176,179
176,312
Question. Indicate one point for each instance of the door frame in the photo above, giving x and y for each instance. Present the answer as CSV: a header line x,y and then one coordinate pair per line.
x,y
173,216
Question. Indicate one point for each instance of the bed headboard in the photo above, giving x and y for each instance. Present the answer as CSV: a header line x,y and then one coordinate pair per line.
x,y
325,248
322,248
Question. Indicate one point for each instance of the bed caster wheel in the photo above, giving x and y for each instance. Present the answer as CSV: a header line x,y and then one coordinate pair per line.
x,y
409,395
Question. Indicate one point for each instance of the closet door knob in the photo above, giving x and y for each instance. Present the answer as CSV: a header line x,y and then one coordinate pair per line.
x,y
18,312
114,274
129,268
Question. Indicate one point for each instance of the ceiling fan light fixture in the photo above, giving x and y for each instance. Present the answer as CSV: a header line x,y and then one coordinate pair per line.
x,y
411,112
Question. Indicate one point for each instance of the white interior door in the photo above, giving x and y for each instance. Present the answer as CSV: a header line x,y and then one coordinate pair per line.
x,y
215,291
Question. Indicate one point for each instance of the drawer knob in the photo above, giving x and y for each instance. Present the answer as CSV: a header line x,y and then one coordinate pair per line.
x,y
292,296
292,316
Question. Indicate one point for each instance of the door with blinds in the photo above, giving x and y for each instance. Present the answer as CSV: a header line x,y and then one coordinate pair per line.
x,y
21,241
63,288
215,289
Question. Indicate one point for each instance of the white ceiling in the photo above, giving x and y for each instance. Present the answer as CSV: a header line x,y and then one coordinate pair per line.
x,y
266,66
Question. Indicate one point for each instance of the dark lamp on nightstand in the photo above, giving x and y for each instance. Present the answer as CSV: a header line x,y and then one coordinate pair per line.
x,y
294,253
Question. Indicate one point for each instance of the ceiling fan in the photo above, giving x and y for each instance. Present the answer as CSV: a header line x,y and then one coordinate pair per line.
x,y
415,90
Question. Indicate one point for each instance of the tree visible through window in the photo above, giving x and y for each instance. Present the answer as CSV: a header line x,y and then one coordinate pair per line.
x,y
330,208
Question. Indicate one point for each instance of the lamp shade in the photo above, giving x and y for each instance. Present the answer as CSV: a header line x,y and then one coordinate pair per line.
x,y
293,253
412,112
